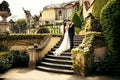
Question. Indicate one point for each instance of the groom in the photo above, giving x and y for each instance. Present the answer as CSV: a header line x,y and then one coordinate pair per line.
x,y
71,33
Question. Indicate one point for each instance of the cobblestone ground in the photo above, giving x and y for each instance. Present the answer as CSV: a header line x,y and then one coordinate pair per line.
x,y
32,74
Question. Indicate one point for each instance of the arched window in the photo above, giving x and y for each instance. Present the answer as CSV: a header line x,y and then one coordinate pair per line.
x,y
60,13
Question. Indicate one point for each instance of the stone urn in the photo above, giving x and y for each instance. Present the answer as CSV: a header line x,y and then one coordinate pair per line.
x,y
3,23
4,15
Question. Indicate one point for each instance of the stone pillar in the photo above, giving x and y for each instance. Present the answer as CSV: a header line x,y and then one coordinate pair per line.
x,y
33,57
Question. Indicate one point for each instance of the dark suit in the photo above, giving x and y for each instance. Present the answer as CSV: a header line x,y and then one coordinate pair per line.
x,y
71,35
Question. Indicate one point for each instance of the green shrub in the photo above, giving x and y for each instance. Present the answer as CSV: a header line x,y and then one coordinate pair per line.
x,y
3,47
20,58
13,59
22,24
97,6
77,30
43,30
109,18
5,61
76,19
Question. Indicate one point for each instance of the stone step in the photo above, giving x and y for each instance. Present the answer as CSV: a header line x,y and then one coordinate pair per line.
x,y
63,54
75,41
59,64
56,65
53,49
67,53
59,57
58,46
55,70
58,61
75,44
78,36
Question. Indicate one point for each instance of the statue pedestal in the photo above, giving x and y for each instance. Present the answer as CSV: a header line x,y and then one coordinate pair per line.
x,y
33,57
3,23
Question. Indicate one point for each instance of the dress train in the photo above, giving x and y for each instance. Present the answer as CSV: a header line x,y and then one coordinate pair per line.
x,y
65,45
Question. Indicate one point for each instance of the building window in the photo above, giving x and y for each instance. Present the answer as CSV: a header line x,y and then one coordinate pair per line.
x,y
60,13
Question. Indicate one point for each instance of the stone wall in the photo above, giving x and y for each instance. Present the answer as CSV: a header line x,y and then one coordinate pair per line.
x,y
48,14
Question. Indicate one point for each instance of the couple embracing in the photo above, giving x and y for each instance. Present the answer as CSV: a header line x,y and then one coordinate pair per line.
x,y
67,43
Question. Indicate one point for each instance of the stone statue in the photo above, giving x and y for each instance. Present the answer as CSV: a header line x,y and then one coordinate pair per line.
x,y
92,24
27,12
4,6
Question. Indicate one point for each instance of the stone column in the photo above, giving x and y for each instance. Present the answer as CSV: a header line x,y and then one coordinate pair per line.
x,y
33,57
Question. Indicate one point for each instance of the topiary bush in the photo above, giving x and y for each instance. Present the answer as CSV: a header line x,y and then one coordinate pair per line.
x,y
43,30
75,18
109,18
97,6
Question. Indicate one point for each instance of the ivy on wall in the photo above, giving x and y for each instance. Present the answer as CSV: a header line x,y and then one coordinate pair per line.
x,y
83,55
97,6
110,20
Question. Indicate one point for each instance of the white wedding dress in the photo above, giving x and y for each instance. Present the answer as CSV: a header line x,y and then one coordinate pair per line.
x,y
65,45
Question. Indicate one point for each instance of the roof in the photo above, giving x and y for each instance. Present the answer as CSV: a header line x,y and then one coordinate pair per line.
x,y
53,6
60,5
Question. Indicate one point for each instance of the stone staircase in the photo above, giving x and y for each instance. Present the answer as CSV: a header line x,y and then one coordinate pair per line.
x,y
59,64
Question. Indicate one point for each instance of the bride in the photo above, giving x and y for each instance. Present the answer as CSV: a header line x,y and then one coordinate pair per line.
x,y
65,45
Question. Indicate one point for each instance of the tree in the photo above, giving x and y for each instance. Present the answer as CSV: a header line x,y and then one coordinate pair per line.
x,y
21,23
76,19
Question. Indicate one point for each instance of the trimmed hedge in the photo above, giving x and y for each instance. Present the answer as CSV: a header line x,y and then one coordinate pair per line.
x,y
13,59
97,6
43,30
110,20
7,41
21,37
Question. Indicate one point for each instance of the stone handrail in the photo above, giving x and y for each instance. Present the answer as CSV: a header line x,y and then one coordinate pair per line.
x,y
35,52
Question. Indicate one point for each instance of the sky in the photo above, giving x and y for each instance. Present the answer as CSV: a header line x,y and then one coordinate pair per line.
x,y
35,6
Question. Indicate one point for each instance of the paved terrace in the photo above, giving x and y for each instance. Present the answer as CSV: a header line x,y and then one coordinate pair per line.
x,y
33,74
